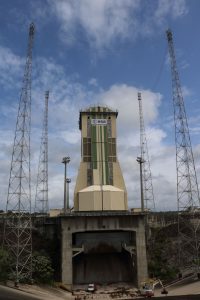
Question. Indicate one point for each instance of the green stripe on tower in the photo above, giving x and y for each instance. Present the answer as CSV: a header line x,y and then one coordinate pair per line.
x,y
106,154
102,160
94,147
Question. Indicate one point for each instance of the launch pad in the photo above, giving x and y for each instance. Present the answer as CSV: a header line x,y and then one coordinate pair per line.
x,y
103,247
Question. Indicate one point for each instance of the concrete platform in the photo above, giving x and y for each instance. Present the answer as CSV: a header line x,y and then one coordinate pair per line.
x,y
86,235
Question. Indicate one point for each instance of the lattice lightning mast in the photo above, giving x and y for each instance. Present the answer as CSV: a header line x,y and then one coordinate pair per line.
x,y
18,228
148,193
187,187
41,197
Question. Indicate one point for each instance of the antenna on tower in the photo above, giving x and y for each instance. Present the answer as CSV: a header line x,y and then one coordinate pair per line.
x,y
41,197
187,186
17,226
147,185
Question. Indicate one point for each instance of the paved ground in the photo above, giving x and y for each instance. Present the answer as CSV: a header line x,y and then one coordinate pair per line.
x,y
33,292
185,290
188,286
188,289
182,297
13,294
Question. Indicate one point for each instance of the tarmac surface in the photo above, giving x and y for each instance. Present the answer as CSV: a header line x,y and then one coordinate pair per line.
x,y
33,292
187,289
13,294
180,297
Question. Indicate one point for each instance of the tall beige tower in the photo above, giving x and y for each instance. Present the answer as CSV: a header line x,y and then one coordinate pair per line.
x,y
100,184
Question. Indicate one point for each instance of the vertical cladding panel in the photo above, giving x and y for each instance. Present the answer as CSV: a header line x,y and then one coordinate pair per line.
x,y
106,154
110,167
94,147
118,179
109,128
106,201
98,152
114,130
89,174
88,127
101,155
84,125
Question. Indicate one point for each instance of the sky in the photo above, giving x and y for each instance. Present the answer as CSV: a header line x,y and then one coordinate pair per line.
x,y
100,52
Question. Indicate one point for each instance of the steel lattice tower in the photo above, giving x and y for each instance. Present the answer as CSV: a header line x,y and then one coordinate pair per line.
x,y
41,197
17,227
187,186
148,193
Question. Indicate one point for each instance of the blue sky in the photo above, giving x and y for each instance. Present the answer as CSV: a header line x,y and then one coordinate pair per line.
x,y
100,52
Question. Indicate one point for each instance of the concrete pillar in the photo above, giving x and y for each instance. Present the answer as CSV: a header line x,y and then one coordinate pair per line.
x,y
142,273
67,276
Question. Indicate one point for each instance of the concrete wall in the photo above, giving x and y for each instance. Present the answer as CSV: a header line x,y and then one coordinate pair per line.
x,y
101,200
77,222
66,269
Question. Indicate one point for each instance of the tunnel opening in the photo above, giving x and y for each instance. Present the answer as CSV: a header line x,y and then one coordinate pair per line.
x,y
105,258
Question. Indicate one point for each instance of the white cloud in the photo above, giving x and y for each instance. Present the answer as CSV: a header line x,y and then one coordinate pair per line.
x,y
174,8
102,21
186,92
93,82
10,67
124,98
8,60
105,21
71,136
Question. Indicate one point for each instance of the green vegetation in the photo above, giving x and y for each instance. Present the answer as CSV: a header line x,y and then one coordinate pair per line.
x,y
41,265
48,246
160,269
162,255
5,263
42,269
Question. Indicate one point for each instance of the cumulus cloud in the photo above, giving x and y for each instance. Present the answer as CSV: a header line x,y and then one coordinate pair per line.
x,y
93,82
103,22
124,98
9,61
11,65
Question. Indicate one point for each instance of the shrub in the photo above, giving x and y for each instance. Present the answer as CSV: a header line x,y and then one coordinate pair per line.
x,y
5,264
42,269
